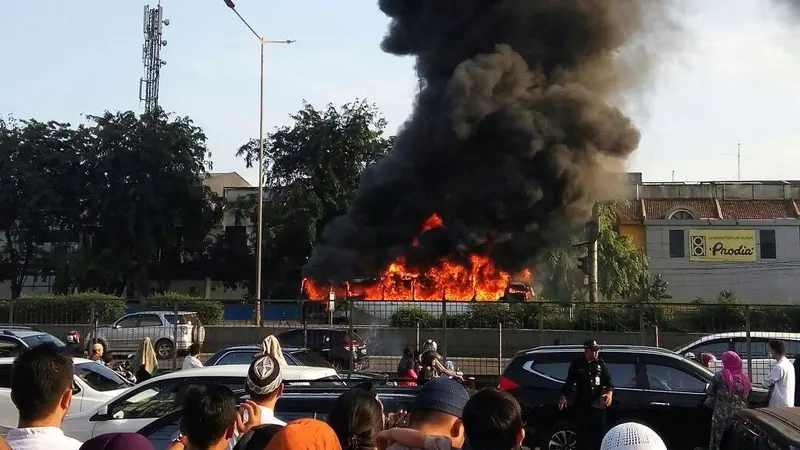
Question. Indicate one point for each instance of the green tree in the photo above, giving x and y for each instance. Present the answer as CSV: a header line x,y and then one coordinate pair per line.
x,y
38,192
312,170
147,208
657,290
621,266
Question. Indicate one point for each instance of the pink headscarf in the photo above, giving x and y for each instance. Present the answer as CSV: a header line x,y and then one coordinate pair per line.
x,y
732,371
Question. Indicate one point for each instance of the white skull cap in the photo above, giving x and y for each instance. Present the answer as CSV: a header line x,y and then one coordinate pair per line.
x,y
632,436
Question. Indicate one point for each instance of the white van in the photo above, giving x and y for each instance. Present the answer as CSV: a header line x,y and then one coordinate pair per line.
x,y
758,356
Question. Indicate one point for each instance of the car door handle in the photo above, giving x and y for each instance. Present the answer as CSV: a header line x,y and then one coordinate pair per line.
x,y
659,404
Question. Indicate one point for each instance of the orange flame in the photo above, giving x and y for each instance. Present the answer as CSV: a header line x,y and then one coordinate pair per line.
x,y
453,281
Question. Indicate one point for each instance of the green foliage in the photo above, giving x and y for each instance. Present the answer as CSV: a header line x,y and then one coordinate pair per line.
x,y
69,309
621,265
312,170
411,317
210,312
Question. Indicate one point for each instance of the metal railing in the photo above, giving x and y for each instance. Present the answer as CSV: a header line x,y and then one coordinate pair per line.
x,y
479,337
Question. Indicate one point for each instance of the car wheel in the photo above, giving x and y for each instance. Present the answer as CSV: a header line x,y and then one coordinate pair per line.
x,y
559,436
164,348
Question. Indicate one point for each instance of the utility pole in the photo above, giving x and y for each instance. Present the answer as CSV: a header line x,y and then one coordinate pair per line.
x,y
594,230
151,55
260,227
739,162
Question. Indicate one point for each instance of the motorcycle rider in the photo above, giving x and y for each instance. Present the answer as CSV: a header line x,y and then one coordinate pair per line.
x,y
432,366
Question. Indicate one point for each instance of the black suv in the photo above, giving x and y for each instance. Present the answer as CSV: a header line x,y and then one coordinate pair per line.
x,y
331,343
15,339
653,386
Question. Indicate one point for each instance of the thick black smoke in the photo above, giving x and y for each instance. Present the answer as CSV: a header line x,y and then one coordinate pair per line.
x,y
512,139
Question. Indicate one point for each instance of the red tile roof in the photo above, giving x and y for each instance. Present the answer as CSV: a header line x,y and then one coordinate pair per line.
x,y
661,208
757,209
630,211
706,208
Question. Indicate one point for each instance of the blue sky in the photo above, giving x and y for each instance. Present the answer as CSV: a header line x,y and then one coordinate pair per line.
x,y
737,79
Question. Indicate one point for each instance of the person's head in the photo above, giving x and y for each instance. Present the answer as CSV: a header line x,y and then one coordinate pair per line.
x,y
707,358
417,356
305,434
258,437
264,382
194,349
209,416
732,371
97,350
632,436
118,441
357,418
778,349
407,351
591,350
439,408
108,358
271,346
493,421
429,357
41,385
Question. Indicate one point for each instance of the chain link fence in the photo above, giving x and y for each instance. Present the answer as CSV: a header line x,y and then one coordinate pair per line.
x,y
478,337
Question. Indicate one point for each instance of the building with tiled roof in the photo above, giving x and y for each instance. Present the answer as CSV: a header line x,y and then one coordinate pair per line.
x,y
711,236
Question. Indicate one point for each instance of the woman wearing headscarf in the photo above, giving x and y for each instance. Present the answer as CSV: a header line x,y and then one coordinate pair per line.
x,y
270,346
145,363
727,395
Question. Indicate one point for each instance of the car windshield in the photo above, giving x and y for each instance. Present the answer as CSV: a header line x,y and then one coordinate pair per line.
x,y
99,377
39,339
183,319
309,358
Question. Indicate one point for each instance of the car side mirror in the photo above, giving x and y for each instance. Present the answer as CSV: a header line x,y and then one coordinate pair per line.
x,y
118,415
689,355
115,326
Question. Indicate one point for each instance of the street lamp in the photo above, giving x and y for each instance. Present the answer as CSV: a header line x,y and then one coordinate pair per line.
x,y
260,224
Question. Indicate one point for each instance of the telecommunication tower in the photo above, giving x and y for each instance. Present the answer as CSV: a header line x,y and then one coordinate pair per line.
x,y
151,55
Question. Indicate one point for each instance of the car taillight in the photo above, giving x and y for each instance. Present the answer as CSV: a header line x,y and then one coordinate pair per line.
x,y
348,343
507,384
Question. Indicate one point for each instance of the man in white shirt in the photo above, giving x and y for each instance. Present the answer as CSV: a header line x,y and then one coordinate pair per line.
x,y
264,384
41,389
781,379
191,361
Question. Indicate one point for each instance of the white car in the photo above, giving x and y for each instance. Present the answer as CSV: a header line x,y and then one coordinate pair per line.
x,y
160,395
125,335
758,356
93,385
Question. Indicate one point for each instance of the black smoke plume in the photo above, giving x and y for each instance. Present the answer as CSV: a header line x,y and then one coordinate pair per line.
x,y
513,137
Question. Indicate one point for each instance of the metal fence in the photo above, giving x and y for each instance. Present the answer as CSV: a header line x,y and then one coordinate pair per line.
x,y
478,337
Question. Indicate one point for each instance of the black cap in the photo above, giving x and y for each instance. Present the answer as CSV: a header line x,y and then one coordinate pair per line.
x,y
591,344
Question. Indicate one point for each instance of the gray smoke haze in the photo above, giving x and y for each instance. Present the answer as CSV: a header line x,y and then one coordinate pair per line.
x,y
514,136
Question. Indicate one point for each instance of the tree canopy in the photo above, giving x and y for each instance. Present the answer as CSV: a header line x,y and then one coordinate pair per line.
x,y
106,206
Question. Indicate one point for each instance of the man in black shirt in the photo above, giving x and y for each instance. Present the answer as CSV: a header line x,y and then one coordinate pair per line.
x,y
594,391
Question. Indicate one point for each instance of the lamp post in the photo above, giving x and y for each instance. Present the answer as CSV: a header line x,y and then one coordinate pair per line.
x,y
260,224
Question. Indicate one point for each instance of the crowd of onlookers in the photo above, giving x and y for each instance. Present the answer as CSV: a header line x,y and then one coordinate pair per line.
x,y
445,416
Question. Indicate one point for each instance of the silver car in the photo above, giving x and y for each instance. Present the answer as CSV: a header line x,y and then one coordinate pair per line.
x,y
125,335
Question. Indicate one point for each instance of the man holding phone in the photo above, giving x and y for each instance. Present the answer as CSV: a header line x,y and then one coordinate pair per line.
x,y
595,391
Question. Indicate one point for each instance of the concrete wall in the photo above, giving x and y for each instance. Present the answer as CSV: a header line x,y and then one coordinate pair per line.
x,y
763,281
721,190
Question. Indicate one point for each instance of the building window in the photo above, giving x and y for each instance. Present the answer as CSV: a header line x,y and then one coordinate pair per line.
x,y
766,240
677,245
681,215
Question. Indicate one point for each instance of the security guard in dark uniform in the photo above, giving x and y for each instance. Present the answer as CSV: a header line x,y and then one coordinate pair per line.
x,y
592,381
